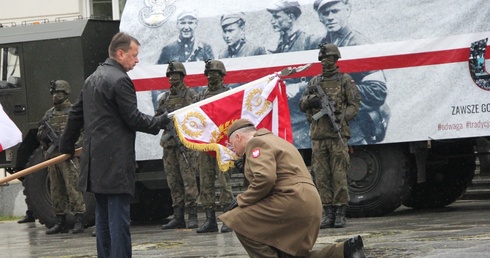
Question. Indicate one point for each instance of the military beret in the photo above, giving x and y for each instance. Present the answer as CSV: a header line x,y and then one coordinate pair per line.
x,y
238,124
187,14
318,4
232,18
282,5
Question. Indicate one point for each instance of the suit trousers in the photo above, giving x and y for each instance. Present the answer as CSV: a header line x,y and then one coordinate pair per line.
x,y
112,223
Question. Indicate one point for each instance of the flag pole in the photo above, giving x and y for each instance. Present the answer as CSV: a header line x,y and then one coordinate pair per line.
x,y
39,166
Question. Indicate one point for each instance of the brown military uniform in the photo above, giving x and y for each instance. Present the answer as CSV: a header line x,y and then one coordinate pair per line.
x,y
281,207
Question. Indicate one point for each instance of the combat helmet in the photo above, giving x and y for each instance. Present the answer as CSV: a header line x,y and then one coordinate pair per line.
x,y
60,85
214,65
327,50
176,67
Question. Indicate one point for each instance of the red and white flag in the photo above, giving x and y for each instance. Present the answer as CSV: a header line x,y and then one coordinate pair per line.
x,y
10,135
203,125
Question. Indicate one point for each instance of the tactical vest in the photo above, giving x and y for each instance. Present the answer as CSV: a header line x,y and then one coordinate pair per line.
x,y
57,117
334,89
206,93
172,102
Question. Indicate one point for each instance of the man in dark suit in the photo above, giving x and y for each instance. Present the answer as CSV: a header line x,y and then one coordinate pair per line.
x,y
107,111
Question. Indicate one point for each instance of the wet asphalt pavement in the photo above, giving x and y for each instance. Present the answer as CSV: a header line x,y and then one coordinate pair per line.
x,y
460,230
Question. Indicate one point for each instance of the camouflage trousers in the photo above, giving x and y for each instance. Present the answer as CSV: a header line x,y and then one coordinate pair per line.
x,y
208,170
64,193
181,177
330,162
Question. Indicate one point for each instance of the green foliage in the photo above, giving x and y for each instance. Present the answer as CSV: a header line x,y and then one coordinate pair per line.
x,y
8,218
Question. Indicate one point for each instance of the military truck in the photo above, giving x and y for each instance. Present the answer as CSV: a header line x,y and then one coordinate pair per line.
x,y
420,67
32,56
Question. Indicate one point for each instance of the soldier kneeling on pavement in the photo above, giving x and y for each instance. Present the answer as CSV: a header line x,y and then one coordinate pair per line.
x,y
63,175
280,212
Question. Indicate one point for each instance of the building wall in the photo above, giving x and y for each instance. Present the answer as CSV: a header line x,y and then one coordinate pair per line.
x,y
31,11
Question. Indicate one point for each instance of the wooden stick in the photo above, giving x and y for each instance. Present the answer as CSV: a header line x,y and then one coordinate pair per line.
x,y
39,166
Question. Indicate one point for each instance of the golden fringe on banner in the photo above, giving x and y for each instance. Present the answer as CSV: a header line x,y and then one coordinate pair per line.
x,y
223,166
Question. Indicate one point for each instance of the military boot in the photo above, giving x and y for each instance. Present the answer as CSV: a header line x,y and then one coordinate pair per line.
x,y
78,227
192,218
224,227
59,227
340,216
328,217
29,217
210,224
178,220
353,248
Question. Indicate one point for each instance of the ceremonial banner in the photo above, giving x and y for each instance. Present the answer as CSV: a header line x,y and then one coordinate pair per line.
x,y
203,125
10,135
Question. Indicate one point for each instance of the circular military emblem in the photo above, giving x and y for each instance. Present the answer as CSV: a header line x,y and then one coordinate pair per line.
x,y
156,12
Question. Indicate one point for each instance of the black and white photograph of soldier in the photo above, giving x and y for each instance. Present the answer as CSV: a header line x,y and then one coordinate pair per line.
x,y
233,26
284,14
284,19
370,124
186,48
283,27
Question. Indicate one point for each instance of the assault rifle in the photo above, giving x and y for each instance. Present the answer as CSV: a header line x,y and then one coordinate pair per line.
x,y
170,132
328,108
54,139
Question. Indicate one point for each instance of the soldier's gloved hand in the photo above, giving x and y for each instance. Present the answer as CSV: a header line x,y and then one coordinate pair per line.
x,y
64,149
161,110
42,136
315,101
163,120
239,165
232,205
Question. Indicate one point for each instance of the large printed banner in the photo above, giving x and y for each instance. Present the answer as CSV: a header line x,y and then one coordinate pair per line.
x,y
203,126
10,135
420,65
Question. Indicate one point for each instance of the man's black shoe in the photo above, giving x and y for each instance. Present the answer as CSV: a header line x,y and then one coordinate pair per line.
x,y
29,217
353,248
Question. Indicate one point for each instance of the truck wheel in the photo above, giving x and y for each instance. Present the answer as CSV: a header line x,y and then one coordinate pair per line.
x,y
38,195
377,180
446,177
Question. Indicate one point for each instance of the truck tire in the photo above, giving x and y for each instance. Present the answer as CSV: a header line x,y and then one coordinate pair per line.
x,y
38,195
377,180
449,171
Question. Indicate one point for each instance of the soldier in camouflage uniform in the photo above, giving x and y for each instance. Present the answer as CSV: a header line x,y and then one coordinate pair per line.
x,y
181,176
208,166
64,175
330,158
